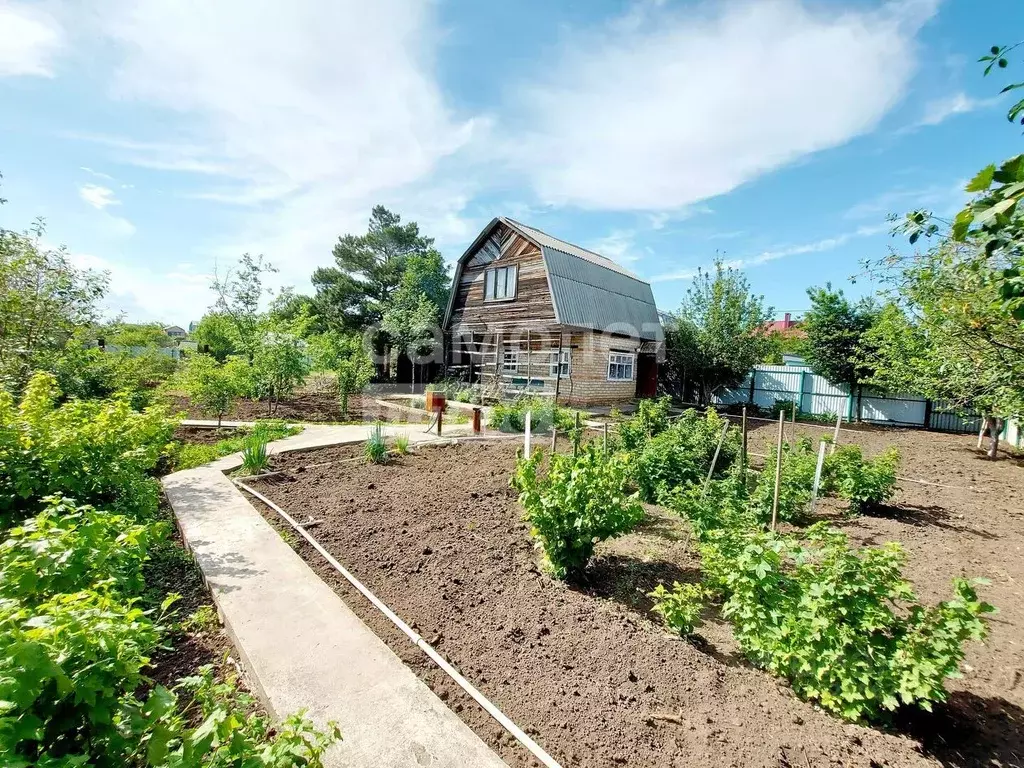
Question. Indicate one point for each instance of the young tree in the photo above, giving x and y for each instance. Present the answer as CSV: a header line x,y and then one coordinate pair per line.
x,y
369,269
411,323
43,299
958,343
218,334
346,358
834,328
718,335
239,293
279,364
210,385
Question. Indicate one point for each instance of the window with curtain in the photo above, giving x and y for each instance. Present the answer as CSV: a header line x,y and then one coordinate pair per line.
x,y
500,283
620,366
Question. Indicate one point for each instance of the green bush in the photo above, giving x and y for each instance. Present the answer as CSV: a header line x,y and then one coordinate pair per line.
x,y
680,607
98,452
76,620
650,419
796,482
511,416
864,483
843,626
220,726
580,501
64,665
68,549
681,454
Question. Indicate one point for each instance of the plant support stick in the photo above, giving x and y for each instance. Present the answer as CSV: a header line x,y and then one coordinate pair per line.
x,y
778,468
714,460
817,474
835,435
526,435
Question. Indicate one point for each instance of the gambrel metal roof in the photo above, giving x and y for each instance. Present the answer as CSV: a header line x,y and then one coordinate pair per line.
x,y
588,290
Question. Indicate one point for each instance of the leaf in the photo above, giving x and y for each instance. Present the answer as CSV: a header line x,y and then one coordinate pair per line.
x,y
996,210
982,180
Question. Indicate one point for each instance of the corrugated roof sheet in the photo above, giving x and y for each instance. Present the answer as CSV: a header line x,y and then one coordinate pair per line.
x,y
544,240
589,295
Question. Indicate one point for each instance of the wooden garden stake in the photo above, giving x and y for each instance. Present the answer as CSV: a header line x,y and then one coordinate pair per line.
x,y
526,435
817,475
743,452
554,437
835,435
576,437
606,438
778,469
714,460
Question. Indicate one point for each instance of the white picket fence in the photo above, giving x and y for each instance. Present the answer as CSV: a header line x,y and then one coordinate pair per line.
x,y
818,396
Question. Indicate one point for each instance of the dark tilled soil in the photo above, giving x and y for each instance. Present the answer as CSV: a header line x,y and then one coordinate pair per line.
x,y
171,569
202,435
303,406
586,671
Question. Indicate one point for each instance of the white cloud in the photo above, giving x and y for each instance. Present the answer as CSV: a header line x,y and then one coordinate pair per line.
x,y
303,115
96,196
939,110
30,39
617,246
142,294
944,200
671,107
817,246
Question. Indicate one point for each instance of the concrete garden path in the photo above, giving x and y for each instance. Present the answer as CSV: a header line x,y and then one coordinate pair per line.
x,y
300,644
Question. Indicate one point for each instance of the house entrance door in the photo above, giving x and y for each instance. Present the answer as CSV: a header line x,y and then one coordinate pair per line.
x,y
646,375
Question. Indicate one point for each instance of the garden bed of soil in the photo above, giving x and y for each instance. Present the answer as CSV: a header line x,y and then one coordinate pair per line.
x,y
588,672
303,406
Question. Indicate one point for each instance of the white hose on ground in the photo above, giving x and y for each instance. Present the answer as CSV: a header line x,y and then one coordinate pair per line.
x,y
423,645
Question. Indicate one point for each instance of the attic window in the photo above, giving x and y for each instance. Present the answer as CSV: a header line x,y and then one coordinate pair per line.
x,y
500,283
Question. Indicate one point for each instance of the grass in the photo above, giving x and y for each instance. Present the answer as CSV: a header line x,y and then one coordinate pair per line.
x,y
255,456
189,455
376,448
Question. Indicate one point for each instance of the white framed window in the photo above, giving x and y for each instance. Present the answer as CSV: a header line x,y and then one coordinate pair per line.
x,y
620,366
554,369
500,283
510,360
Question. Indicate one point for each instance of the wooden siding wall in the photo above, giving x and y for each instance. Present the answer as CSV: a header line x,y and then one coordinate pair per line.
x,y
532,305
587,382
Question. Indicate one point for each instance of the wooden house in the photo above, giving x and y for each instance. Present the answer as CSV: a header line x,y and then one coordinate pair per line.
x,y
530,313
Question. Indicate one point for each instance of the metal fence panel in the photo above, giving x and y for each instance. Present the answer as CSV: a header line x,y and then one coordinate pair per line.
x,y
883,409
818,396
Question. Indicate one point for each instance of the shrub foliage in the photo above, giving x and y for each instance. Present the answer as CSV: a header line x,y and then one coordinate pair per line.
x,y
578,502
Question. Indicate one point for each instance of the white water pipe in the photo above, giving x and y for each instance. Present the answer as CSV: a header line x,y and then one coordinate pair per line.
x,y
423,645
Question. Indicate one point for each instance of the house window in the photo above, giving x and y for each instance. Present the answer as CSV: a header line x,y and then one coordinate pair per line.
x,y
500,283
510,360
620,366
554,368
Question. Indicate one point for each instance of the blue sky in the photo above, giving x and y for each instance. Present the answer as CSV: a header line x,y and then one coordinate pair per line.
x,y
162,139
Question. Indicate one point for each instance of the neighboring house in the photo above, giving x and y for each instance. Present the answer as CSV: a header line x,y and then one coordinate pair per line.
x,y
532,313
788,327
175,331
